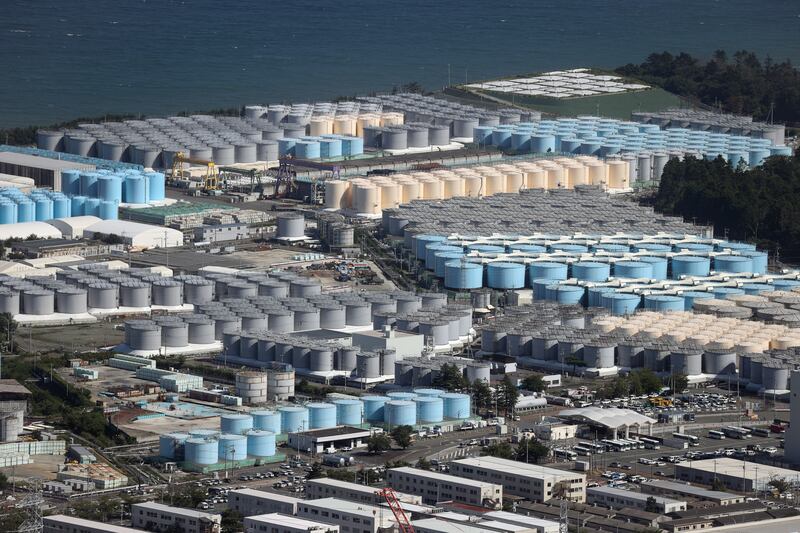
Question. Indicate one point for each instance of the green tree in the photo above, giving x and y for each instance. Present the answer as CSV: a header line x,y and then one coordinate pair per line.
x,y
717,484
7,328
677,382
503,450
481,394
317,471
231,521
575,362
780,484
3,481
451,378
534,383
402,436
423,464
379,443
531,451
507,395
651,506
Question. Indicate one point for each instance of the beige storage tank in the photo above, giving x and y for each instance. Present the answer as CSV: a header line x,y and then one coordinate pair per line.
x,y
555,178
366,199
493,183
536,179
344,125
617,174
320,126
335,191
576,175
515,180
390,195
392,119
251,387
367,120
410,190
280,385
472,185
453,187
432,189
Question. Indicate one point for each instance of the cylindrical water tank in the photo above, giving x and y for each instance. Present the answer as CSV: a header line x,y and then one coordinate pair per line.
x,y
321,415
505,275
400,413
38,302
733,263
591,271
291,226
235,423
633,270
70,301
267,421
251,387
171,445
134,294
293,419
260,443
374,407
429,409
174,333
368,365
198,291
456,405
201,451
200,330
232,447
349,412
145,337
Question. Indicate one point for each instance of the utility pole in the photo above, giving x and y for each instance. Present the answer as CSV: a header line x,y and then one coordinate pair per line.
x,y
32,506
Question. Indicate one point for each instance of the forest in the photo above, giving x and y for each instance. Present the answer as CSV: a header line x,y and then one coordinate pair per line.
x,y
759,205
742,84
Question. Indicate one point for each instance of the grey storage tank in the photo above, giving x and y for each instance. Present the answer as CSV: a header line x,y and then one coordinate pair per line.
x,y
718,361
253,321
304,288
686,361
280,320
332,315
198,291
103,295
387,359
144,336
174,333
266,348
274,288
368,365
134,294
346,358
436,330
200,330
38,302
71,300
408,303
291,226
599,354
224,323
248,346
358,313
306,317
478,371
321,359
168,293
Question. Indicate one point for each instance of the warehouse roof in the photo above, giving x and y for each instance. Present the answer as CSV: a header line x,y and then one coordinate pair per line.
x,y
345,506
72,227
144,235
289,521
88,524
23,230
41,162
630,494
266,494
728,466
193,513
514,518
692,490
515,467
612,417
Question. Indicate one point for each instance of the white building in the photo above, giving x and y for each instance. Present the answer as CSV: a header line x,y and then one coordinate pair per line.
x,y
280,523
23,230
59,523
436,487
534,482
333,488
734,474
154,516
618,498
537,524
135,234
251,502
351,517
437,525
551,431
404,344
72,227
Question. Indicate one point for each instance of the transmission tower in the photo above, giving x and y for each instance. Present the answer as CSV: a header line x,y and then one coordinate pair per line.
x,y
563,517
32,506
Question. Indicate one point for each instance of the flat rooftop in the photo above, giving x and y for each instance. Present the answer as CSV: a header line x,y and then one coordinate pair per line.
x,y
193,513
335,432
267,495
440,477
630,494
692,490
12,386
743,469
345,506
287,521
515,467
40,162
514,518
74,521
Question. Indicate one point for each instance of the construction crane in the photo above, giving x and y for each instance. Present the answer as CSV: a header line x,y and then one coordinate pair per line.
x,y
210,180
403,522
284,177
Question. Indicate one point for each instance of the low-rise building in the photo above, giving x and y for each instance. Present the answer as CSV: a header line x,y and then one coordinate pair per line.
x,y
251,502
435,487
734,474
551,430
102,475
537,524
671,489
158,517
221,232
333,488
404,344
280,523
319,441
533,482
351,517
619,498
59,523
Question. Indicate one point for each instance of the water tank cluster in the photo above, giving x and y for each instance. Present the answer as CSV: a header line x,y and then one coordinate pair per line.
x,y
455,119
334,231
348,118
712,121
238,440
98,192
425,371
375,194
646,147
39,205
448,324
533,211
412,408
769,372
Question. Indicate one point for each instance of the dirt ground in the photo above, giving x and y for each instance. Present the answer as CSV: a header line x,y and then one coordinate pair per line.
x,y
69,339
43,467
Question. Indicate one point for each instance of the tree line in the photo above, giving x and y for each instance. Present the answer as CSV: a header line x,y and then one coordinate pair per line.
x,y
741,84
759,205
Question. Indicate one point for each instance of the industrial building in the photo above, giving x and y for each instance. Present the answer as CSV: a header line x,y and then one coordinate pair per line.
x,y
280,523
619,498
45,171
329,440
60,523
152,516
734,474
221,232
345,490
436,487
403,343
13,408
533,482
553,430
349,516
251,502
439,525
102,475
671,489
134,234
616,422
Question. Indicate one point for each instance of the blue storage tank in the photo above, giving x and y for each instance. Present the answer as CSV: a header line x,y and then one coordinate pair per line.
x,y
109,188
690,265
482,135
329,148
373,407
723,293
501,138
633,269
108,210
663,302
78,206
594,296
441,258
232,447
527,248
689,297
434,393
204,434
566,294
621,303
486,248
542,143
591,271
760,260
293,419
44,208
660,265
456,405
785,284
349,412
286,146
71,182
62,206
234,423
734,246
463,275
260,443
540,288
8,212
89,184
733,263
307,149
201,451
26,211
267,421
134,190
421,243
170,445
521,141
547,270
570,145
321,415
611,248
91,207
693,247
155,186
433,248
400,413
429,409
352,146
503,275
757,288
399,395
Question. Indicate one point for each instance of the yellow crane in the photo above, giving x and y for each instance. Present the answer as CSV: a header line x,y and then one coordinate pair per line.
x,y
210,180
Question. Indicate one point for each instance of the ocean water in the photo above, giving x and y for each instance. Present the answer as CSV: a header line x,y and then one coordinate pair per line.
x,y
65,59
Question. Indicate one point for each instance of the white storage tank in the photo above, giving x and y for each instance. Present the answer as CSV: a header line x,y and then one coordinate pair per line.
x,y
291,226
251,387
